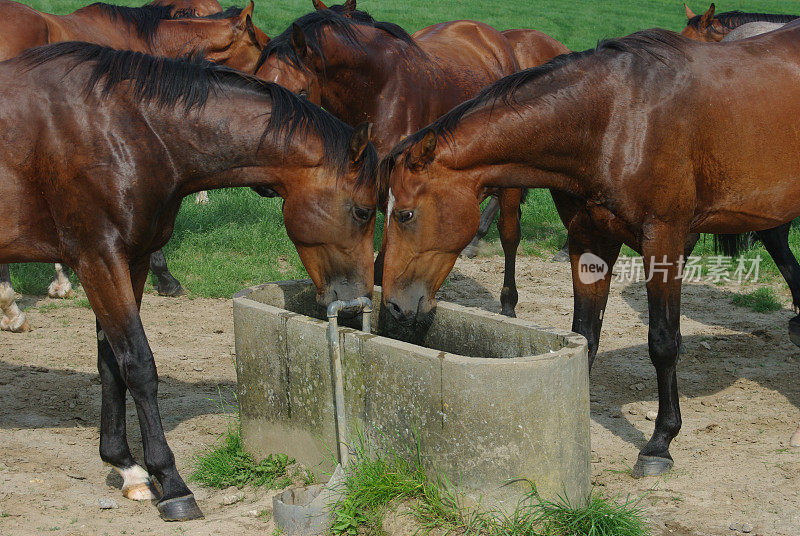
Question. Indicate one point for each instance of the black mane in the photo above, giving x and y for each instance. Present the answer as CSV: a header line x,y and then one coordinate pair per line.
x,y
734,19
658,45
345,25
192,80
149,17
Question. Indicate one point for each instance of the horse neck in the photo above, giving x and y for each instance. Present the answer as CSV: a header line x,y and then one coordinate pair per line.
x,y
222,144
550,141
182,36
390,86
90,25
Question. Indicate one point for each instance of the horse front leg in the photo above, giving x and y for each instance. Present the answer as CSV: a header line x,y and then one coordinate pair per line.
x,y
60,287
125,359
590,286
166,284
662,253
487,217
13,319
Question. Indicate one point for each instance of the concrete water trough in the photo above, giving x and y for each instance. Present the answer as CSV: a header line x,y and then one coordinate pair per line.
x,y
488,398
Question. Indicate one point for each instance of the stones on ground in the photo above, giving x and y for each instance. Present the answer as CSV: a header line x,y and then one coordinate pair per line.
x,y
734,526
198,369
705,345
651,415
747,528
232,499
107,504
253,513
637,387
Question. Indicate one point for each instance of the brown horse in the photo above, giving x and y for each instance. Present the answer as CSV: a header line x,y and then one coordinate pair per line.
x,y
620,135
100,147
714,27
363,70
229,37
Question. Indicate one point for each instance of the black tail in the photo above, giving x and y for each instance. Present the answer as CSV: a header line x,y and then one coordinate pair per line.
x,y
731,245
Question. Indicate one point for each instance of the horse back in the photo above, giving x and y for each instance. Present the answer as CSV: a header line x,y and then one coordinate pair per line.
x,y
532,47
21,28
469,50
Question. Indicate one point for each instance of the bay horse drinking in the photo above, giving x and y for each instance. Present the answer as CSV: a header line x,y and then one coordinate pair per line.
x,y
620,135
228,37
100,147
360,69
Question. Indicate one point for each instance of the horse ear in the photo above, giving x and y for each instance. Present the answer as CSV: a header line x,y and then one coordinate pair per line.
x,y
421,154
708,17
689,13
359,141
318,5
349,6
299,40
247,13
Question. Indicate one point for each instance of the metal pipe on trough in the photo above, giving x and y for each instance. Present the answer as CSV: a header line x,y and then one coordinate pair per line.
x,y
363,305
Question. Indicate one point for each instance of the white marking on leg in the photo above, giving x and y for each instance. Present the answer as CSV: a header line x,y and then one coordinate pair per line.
x,y
201,198
795,441
13,319
389,208
136,483
61,286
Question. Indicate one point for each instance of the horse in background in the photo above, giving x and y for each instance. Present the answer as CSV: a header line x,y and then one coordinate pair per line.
x,y
711,27
67,113
360,69
159,28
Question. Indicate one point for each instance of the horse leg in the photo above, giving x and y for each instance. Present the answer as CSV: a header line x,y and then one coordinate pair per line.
x,y
509,226
487,217
662,259
562,255
776,242
590,296
114,448
60,287
114,290
201,198
13,319
166,284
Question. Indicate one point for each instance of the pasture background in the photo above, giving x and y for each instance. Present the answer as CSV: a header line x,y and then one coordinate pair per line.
x,y
238,238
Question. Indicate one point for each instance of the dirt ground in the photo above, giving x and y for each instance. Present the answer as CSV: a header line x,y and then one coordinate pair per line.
x,y
739,396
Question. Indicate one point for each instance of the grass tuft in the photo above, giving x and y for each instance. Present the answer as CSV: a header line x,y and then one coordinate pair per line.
x,y
762,300
227,464
374,481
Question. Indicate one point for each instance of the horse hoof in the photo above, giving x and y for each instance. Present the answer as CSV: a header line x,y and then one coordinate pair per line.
x,y
794,331
171,291
180,509
651,466
509,313
561,256
19,325
139,492
470,251
795,440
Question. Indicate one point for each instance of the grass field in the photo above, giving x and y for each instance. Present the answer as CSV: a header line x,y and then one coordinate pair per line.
x,y
238,239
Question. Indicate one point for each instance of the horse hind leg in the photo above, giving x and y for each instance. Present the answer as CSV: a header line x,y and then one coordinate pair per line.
x,y
776,242
166,284
13,319
60,287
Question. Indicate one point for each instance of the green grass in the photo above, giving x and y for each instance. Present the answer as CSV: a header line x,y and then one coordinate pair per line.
x,y
239,239
227,464
762,300
375,482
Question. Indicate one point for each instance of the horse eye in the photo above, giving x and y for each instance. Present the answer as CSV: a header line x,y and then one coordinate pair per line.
x,y
362,214
303,94
404,216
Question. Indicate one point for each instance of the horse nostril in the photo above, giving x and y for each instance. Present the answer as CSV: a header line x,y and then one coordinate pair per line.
x,y
395,310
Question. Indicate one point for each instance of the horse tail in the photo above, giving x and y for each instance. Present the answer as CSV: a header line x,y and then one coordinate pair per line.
x,y
731,245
